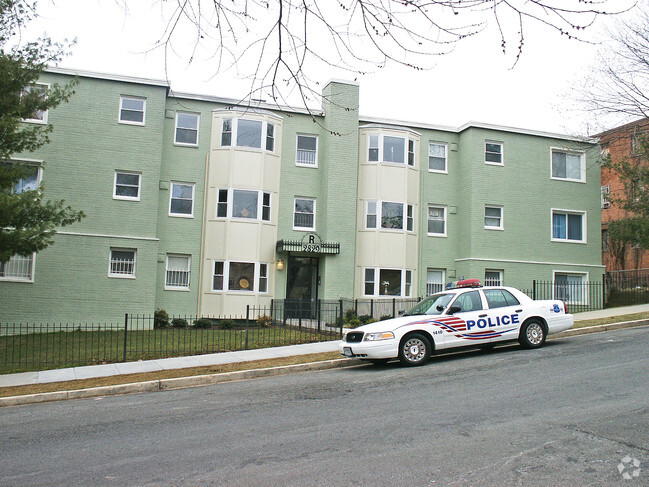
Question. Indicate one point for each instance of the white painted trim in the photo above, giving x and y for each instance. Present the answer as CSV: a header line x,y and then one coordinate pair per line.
x,y
513,261
107,76
101,235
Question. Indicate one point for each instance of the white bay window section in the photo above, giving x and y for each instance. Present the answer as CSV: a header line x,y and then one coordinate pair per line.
x,y
391,215
247,133
243,203
18,268
387,282
391,149
177,275
245,277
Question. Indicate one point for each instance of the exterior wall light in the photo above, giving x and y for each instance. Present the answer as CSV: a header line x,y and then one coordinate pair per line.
x,y
280,265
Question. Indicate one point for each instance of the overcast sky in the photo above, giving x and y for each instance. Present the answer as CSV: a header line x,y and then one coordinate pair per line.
x,y
476,82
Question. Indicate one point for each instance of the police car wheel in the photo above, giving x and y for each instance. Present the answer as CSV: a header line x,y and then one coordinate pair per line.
x,y
532,334
414,350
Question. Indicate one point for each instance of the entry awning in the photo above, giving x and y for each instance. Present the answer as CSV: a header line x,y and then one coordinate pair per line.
x,y
311,244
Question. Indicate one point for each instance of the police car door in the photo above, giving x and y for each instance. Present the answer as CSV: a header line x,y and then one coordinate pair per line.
x,y
505,314
469,310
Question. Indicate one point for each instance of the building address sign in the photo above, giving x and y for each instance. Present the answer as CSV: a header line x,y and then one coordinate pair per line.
x,y
311,243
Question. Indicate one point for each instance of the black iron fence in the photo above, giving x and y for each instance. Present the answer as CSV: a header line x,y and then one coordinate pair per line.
x,y
627,287
578,295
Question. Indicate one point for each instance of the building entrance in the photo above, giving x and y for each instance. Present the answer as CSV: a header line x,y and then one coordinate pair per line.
x,y
302,287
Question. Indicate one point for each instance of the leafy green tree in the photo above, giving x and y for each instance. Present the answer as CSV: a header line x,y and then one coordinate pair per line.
x,y
27,222
633,172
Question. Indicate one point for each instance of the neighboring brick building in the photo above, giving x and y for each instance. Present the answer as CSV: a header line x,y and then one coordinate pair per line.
x,y
620,143
201,206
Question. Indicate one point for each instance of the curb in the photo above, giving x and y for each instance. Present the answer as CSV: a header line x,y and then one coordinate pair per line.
x,y
211,379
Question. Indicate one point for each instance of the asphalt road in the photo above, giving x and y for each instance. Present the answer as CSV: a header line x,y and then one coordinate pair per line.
x,y
567,414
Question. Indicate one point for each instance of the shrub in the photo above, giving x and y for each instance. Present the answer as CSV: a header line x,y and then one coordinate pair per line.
x,y
203,323
264,320
365,318
350,314
385,317
160,319
226,324
355,322
179,323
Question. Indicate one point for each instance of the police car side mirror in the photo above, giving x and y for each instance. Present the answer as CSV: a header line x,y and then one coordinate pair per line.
x,y
454,309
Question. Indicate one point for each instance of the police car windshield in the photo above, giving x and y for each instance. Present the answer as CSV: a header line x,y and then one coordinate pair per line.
x,y
432,305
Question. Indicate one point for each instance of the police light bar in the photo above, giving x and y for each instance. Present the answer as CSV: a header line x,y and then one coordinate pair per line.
x,y
464,283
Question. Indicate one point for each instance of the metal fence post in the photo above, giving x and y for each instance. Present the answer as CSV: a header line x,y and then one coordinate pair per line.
x,y
340,319
125,334
247,324
603,291
534,289
394,307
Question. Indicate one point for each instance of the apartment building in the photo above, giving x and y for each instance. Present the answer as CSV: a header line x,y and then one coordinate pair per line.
x,y
201,205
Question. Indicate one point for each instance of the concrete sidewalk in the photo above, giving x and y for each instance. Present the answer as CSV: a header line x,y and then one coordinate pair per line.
x,y
93,371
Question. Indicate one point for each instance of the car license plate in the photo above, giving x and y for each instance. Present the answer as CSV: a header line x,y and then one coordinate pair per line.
x,y
347,352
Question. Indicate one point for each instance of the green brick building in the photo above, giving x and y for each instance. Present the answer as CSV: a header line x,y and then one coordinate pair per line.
x,y
201,206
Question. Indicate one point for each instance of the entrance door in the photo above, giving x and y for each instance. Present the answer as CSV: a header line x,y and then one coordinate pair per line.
x,y
301,287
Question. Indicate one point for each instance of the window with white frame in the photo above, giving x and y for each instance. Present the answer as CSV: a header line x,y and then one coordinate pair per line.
x,y
248,133
36,93
304,214
568,165
181,200
493,153
18,268
388,282
571,288
177,273
493,278
437,221
606,192
391,215
568,226
186,131
240,276
307,151
434,281
493,217
243,203
127,186
122,263
437,157
30,180
388,148
132,110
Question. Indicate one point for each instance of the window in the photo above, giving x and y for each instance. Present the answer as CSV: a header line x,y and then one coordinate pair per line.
x,y
387,148
304,214
186,129
391,282
243,203
392,216
605,242
372,216
36,93
493,278
568,166
568,226
410,221
18,268
31,179
177,272
493,217
248,133
434,281
437,157
132,110
181,202
572,288
122,263
307,151
606,191
127,186
470,301
493,153
437,220
240,276
500,298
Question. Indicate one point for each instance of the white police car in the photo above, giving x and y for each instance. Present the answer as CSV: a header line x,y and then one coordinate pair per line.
x,y
466,315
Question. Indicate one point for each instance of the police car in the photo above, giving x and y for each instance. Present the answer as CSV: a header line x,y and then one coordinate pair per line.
x,y
466,314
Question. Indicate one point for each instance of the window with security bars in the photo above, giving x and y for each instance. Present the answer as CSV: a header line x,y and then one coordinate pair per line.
x,y
304,214
493,278
17,268
434,281
307,150
177,272
122,263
